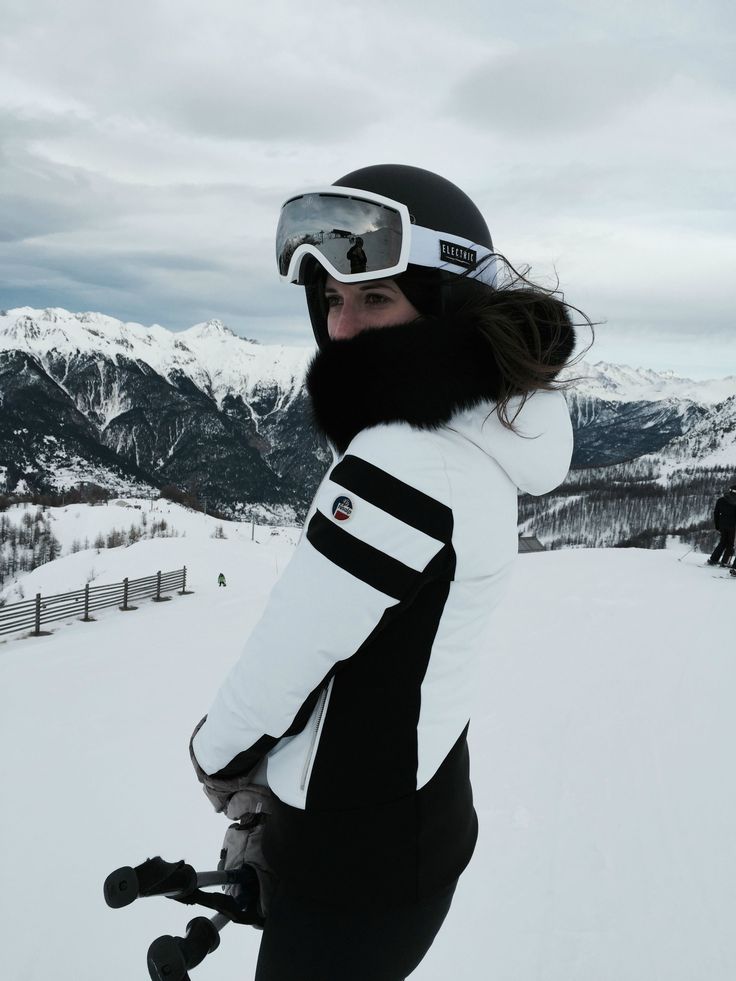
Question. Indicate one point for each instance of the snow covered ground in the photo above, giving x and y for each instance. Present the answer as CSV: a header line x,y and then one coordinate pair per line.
x,y
600,752
79,525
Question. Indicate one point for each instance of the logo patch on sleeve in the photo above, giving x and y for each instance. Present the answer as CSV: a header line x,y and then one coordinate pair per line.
x,y
458,255
342,508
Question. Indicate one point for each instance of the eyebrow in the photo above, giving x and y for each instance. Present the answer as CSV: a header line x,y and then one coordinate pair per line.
x,y
366,286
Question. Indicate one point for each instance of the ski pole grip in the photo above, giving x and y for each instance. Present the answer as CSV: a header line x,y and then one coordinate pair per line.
x,y
121,887
169,958
154,877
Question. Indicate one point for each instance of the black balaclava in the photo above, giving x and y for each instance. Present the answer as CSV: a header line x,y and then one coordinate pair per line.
x,y
426,290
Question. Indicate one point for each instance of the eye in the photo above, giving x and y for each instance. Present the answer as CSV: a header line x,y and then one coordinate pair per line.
x,y
376,299
332,299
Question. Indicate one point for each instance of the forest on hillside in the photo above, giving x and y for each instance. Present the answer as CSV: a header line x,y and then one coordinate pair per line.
x,y
627,505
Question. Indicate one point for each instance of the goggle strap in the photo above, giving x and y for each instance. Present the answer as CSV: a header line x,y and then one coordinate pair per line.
x,y
433,249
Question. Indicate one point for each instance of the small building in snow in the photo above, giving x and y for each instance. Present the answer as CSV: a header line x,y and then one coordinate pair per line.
x,y
530,543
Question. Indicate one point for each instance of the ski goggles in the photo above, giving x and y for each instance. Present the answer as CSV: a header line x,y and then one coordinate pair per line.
x,y
357,236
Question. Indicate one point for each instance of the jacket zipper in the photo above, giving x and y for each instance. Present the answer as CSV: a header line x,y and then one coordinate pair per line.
x,y
315,730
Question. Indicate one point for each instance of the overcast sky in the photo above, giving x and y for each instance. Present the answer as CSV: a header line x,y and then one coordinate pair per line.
x,y
146,147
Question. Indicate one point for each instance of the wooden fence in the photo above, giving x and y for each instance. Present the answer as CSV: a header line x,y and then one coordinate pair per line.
x,y
45,609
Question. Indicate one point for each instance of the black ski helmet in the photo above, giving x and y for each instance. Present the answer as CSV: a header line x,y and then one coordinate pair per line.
x,y
433,202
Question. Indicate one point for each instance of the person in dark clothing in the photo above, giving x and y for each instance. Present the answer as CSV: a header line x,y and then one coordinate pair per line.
x,y
724,518
358,258
221,579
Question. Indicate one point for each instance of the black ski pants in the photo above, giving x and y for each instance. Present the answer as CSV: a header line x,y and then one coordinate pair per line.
x,y
303,944
724,549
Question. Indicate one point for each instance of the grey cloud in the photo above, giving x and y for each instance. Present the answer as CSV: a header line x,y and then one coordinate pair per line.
x,y
250,77
69,237
38,197
122,270
173,261
24,217
558,88
147,286
18,126
43,264
599,189
159,113
233,108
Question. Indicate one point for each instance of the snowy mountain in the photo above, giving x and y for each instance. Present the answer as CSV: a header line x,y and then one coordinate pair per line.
x,y
88,397
621,383
711,442
600,754
215,359
621,413
141,407
613,431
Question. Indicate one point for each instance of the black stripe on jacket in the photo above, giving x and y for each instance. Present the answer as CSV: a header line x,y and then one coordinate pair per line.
x,y
392,495
360,559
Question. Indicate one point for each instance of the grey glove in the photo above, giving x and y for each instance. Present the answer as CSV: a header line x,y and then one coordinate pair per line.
x,y
249,804
243,845
235,796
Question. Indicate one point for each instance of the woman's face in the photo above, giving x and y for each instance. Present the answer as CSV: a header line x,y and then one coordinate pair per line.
x,y
351,307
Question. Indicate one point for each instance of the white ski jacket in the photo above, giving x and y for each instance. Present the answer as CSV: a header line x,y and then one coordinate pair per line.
x,y
353,695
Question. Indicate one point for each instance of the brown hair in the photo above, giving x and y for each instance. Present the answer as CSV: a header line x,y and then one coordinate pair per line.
x,y
530,328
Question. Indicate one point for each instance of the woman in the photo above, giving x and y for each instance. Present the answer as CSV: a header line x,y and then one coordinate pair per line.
x,y
353,696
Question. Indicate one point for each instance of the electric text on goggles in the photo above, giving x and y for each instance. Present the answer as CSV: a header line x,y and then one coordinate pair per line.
x,y
357,235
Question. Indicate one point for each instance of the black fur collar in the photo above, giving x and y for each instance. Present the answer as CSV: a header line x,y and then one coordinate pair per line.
x,y
420,372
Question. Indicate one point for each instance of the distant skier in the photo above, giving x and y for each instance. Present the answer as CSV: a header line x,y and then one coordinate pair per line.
x,y
724,518
221,579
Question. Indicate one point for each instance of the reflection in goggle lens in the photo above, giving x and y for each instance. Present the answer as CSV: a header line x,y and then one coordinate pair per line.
x,y
353,235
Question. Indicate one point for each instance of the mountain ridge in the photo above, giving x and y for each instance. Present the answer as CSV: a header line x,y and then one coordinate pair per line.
x,y
229,418
601,379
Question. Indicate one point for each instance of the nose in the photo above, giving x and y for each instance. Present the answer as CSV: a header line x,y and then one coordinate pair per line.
x,y
345,321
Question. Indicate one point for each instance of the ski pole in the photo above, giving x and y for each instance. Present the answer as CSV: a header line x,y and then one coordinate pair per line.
x,y
169,958
686,553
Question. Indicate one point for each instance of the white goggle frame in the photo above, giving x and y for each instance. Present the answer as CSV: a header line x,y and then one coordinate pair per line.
x,y
419,246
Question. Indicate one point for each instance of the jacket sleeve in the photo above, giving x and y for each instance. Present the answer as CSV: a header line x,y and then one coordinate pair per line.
x,y
380,526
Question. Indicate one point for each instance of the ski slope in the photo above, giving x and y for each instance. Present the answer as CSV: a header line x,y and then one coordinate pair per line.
x,y
600,757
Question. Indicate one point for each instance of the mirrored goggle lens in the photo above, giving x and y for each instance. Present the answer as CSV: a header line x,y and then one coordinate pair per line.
x,y
353,235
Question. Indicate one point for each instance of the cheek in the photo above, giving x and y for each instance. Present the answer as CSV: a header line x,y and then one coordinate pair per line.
x,y
331,320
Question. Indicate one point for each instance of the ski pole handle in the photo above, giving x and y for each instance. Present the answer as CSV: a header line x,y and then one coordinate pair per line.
x,y
154,877
169,958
